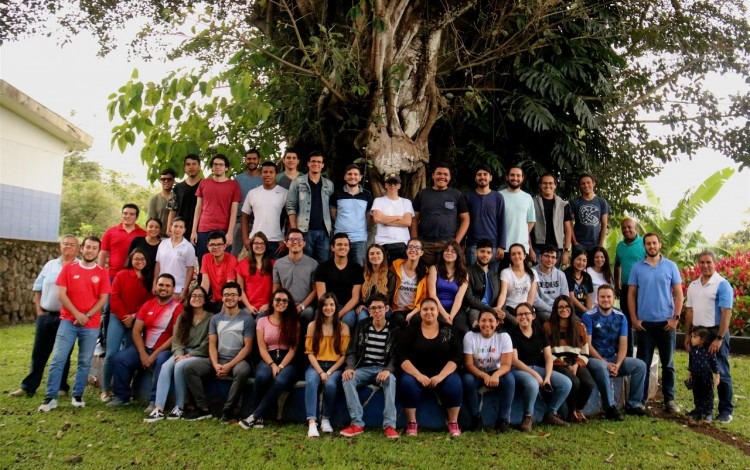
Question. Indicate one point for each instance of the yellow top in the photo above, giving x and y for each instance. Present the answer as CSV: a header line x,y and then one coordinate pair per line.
x,y
326,351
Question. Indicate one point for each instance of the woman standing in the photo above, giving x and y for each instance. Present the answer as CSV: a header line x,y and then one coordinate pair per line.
x,y
176,256
447,282
600,270
255,275
149,243
430,354
325,345
190,341
533,369
518,283
580,284
488,356
570,348
130,289
378,279
277,336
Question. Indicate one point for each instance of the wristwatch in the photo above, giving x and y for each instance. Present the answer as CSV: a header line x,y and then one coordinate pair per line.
x,y
720,337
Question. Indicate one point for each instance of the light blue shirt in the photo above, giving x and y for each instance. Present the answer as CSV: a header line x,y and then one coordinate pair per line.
x,y
45,283
246,183
519,211
654,283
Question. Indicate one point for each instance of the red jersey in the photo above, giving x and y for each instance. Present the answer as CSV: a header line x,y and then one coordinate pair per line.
x,y
158,321
219,274
128,294
84,287
116,240
217,203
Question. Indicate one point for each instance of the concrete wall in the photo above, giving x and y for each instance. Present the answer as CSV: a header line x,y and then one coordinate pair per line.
x,y
20,264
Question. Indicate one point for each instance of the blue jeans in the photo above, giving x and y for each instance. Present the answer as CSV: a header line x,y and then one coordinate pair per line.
x,y
561,386
117,334
266,389
357,252
350,318
318,245
367,375
450,391
725,389
505,389
638,372
654,337
127,362
330,391
66,337
170,369
600,373
44,342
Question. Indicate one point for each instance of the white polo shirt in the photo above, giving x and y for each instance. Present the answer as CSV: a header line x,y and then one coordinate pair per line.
x,y
708,300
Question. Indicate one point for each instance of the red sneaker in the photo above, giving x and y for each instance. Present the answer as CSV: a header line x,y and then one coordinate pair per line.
x,y
352,430
411,428
453,429
390,433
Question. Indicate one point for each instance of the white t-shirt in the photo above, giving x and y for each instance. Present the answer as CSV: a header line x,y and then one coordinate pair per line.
x,y
175,260
518,288
597,279
406,292
487,351
266,205
385,234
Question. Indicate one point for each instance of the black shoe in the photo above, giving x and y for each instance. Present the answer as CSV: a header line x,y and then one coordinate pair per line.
x,y
613,414
198,415
636,411
226,417
502,426
476,423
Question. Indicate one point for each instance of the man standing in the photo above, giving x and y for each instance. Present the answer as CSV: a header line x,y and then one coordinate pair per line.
x,y
393,215
487,216
152,342
484,285
47,306
266,204
342,277
216,208
290,161
591,214
308,207
630,250
230,340
157,205
82,288
655,301
248,180
554,221
296,273
440,214
370,360
217,268
709,305
551,282
183,200
350,212
606,328
519,213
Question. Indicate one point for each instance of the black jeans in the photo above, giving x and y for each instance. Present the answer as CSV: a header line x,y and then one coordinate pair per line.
x,y
44,341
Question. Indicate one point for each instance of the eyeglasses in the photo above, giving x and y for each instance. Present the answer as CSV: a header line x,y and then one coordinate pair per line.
x,y
215,245
414,247
449,250
139,260
197,296
295,240
524,314
563,307
166,180
230,295
281,301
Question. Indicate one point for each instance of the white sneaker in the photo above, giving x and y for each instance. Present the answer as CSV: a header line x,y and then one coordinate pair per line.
x,y
78,402
176,413
325,426
312,430
48,405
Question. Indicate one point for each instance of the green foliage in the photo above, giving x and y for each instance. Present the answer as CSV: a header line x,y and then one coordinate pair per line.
x,y
92,197
737,241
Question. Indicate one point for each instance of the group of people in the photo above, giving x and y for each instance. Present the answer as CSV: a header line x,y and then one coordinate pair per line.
x,y
445,299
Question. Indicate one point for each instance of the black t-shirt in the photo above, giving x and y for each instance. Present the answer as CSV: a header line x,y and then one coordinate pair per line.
x,y
530,350
438,213
316,205
183,200
549,206
429,356
140,242
340,281
580,289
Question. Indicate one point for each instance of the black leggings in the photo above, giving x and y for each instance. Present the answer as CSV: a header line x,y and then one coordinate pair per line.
x,y
583,385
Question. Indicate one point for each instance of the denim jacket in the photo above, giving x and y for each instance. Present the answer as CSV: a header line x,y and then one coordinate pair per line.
x,y
299,202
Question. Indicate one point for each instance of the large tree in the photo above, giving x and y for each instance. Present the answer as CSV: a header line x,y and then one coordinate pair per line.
x,y
556,85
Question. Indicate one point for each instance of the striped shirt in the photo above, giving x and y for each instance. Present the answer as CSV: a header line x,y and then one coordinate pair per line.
x,y
375,346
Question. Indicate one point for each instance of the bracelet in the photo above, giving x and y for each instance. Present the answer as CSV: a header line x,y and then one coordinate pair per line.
x,y
269,364
322,372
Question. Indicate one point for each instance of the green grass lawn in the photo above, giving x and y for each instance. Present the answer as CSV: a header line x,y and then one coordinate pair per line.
x,y
97,437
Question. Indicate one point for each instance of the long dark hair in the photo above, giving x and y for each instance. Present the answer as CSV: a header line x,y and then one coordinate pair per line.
x,y
526,261
421,269
606,268
147,273
318,324
289,325
460,273
185,320
571,334
265,263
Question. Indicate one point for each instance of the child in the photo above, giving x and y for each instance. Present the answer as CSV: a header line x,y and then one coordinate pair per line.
x,y
703,375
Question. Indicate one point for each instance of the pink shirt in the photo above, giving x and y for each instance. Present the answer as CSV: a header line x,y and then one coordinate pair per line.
x,y
270,334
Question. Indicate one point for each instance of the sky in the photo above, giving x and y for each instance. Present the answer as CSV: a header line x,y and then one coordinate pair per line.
x,y
75,83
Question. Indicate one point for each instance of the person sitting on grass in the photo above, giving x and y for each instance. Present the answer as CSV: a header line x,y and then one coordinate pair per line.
x,y
189,342
488,356
277,343
325,345
430,354
370,359
230,340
